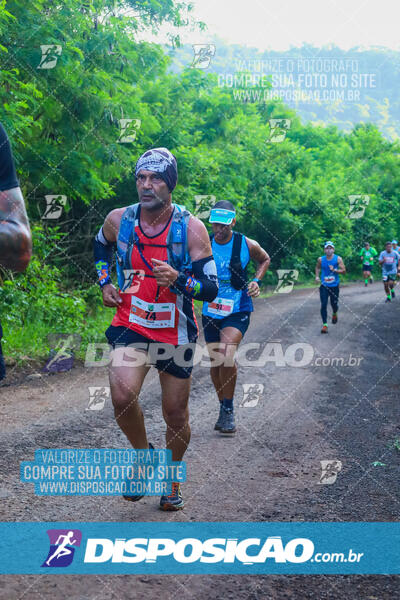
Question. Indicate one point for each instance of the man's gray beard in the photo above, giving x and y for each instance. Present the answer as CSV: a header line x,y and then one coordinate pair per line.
x,y
161,204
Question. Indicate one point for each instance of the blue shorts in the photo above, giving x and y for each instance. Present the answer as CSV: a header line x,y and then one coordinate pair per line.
x,y
212,327
123,336
389,276
367,268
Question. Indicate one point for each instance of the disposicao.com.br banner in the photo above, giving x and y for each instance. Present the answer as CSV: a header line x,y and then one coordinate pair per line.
x,y
214,548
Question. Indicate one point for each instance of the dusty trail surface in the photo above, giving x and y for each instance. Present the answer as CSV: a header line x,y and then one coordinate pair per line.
x,y
269,471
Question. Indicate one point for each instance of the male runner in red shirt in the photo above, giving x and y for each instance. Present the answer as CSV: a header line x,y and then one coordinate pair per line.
x,y
155,302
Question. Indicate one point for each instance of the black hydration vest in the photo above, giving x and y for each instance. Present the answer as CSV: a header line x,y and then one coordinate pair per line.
x,y
238,273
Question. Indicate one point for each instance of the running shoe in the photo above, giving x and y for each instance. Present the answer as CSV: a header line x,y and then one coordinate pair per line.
x,y
388,299
218,424
324,329
174,500
228,421
393,294
366,284
136,498
371,279
334,318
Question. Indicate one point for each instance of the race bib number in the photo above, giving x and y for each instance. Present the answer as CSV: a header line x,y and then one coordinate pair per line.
x,y
329,278
389,260
221,306
154,315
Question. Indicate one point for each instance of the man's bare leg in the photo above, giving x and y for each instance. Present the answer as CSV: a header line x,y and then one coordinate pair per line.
x,y
215,378
224,377
125,384
175,398
387,289
230,340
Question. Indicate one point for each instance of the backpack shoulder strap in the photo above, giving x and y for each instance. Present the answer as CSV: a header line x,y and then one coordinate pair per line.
x,y
177,238
236,247
127,223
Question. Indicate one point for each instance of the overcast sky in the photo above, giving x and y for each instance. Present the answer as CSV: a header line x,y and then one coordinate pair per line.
x,y
279,24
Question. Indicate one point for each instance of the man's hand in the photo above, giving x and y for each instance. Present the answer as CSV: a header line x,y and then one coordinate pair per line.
x,y
317,279
163,272
253,289
111,298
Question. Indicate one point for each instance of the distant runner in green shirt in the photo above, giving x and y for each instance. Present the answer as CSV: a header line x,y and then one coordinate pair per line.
x,y
367,256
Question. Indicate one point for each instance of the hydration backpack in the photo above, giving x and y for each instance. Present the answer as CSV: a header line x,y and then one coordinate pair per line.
x,y
176,242
238,273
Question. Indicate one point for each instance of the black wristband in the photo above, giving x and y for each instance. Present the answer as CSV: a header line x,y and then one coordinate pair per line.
x,y
180,281
104,282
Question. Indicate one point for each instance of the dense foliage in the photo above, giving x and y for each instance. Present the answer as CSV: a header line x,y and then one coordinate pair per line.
x,y
64,126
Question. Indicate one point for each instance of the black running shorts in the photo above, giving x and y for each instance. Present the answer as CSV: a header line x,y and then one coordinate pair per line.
x,y
180,362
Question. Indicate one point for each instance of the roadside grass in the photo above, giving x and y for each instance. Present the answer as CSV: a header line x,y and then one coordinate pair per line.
x,y
29,342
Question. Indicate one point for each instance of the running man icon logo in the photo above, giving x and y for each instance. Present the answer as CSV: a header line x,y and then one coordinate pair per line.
x,y
62,346
358,204
98,397
54,206
203,204
130,286
330,470
287,279
252,393
128,130
203,54
278,129
62,547
50,54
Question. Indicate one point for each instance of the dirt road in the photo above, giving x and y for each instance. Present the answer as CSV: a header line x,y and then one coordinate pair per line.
x,y
269,471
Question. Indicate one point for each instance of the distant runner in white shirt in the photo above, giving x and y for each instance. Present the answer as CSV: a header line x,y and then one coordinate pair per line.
x,y
389,259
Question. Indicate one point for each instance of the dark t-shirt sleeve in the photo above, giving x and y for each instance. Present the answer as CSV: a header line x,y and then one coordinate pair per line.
x,y
8,176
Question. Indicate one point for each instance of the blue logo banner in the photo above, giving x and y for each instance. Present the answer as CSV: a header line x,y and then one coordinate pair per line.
x,y
191,548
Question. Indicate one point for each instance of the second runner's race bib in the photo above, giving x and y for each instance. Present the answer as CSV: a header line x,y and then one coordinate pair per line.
x,y
154,315
221,306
